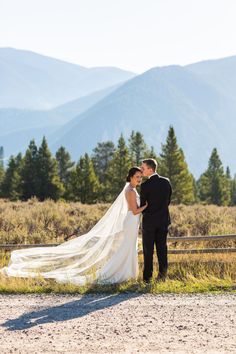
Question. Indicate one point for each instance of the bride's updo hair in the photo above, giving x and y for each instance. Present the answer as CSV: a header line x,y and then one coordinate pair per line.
x,y
132,172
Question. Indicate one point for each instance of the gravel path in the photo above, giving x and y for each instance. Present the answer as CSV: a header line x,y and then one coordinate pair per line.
x,y
124,323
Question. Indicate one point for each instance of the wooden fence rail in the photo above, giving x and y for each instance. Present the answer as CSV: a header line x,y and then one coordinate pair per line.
x,y
184,239
202,238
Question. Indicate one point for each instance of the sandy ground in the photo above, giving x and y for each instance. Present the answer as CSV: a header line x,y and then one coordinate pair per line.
x,y
124,323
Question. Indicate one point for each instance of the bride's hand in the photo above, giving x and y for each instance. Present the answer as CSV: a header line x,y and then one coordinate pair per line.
x,y
146,204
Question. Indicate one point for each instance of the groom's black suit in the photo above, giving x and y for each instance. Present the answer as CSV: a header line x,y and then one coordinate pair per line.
x,y
156,218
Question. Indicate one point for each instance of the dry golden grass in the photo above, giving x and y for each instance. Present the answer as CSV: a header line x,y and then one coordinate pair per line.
x,y
53,222
46,222
187,274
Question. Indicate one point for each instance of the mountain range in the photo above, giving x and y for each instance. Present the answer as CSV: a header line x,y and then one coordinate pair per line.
x,y
33,81
202,115
198,100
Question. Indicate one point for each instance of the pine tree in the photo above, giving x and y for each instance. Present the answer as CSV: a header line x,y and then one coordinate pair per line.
x,y
49,185
213,184
229,183
174,166
1,157
233,191
11,184
231,186
227,173
2,173
64,164
64,167
102,155
84,184
29,172
137,148
118,169
195,189
152,154
1,168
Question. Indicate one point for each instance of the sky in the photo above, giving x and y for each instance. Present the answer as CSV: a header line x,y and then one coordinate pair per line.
x,y
131,34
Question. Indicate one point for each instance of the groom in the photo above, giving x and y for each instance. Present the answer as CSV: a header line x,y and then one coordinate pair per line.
x,y
156,190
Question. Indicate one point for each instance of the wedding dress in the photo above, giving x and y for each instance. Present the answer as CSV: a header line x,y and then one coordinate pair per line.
x,y
106,254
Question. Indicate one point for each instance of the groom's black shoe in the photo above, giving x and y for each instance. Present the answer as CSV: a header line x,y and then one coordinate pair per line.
x,y
161,277
147,281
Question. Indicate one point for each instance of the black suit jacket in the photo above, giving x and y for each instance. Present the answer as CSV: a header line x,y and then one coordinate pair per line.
x,y
157,192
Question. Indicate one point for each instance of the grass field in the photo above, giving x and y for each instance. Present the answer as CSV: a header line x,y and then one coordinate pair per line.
x,y
187,274
52,222
49,222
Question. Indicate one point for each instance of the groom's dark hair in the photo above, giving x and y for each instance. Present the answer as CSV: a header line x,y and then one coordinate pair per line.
x,y
152,163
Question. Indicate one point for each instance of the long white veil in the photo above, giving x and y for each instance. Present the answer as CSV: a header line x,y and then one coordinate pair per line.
x,y
78,260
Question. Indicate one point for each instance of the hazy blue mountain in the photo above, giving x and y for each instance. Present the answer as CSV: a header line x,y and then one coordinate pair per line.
x,y
220,73
18,141
73,108
202,115
12,119
34,81
19,126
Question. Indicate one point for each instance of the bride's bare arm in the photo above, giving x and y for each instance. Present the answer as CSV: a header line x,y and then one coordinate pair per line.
x,y
132,203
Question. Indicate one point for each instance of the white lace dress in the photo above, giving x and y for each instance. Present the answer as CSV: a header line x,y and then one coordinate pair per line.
x,y
124,263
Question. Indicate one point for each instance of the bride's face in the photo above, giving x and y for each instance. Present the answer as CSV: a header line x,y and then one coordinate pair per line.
x,y
136,179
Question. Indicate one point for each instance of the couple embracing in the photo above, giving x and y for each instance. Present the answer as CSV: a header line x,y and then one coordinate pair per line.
x,y
108,253
154,198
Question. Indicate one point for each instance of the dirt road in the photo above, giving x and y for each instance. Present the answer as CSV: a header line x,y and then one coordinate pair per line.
x,y
124,323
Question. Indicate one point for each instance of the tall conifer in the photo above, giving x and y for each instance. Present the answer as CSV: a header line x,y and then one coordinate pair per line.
x,y
174,166
213,183
118,169
49,185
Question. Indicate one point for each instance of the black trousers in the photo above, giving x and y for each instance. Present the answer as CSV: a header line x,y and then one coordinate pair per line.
x,y
154,236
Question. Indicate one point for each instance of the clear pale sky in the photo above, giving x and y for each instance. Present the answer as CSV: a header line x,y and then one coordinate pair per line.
x,y
131,34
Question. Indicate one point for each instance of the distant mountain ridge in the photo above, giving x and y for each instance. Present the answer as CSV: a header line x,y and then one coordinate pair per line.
x,y
19,126
13,119
34,81
218,72
150,102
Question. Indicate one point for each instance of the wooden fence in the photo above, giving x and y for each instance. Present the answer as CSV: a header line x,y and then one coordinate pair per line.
x,y
184,239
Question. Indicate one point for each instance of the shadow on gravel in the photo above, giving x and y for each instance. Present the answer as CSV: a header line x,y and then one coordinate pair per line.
x,y
74,309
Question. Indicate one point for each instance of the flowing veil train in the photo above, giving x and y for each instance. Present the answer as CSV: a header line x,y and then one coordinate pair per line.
x,y
79,260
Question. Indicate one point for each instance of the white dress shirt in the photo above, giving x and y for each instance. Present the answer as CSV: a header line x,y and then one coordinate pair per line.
x,y
153,175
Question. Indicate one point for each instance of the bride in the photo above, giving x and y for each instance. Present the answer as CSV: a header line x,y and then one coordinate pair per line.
x,y
106,254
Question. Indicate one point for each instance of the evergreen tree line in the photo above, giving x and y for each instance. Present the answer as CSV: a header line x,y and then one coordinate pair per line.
x,y
99,177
